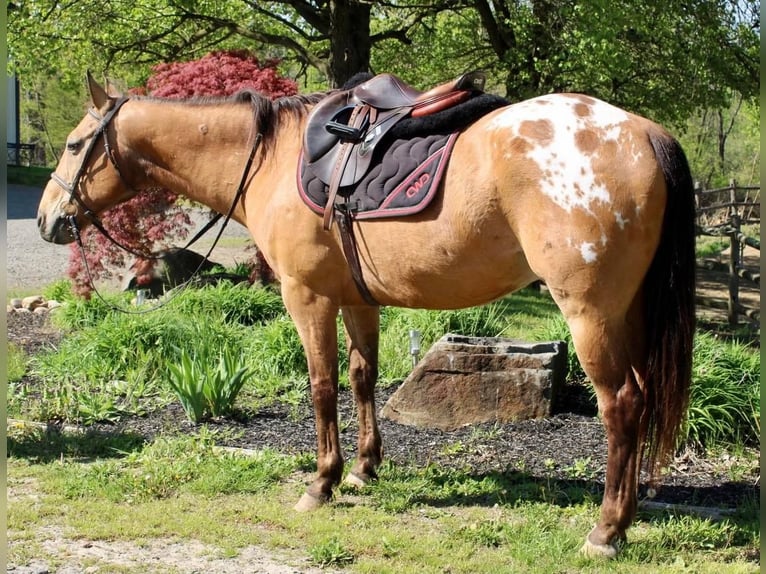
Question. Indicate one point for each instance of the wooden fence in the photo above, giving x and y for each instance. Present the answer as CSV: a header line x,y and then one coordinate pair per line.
x,y
722,212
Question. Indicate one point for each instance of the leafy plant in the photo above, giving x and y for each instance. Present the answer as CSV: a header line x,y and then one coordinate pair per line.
x,y
725,393
710,247
206,384
330,553
60,291
17,363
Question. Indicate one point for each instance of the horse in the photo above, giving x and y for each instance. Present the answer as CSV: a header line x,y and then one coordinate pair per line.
x,y
564,188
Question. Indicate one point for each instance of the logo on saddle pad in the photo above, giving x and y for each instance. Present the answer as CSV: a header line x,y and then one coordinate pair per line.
x,y
402,180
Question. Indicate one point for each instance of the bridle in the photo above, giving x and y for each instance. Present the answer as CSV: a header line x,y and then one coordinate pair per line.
x,y
75,197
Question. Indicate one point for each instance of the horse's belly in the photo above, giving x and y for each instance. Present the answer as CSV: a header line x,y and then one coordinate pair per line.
x,y
432,275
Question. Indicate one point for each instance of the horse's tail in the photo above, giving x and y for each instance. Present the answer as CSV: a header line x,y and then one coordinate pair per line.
x,y
670,315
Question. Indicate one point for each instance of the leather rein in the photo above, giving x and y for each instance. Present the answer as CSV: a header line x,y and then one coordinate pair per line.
x,y
74,197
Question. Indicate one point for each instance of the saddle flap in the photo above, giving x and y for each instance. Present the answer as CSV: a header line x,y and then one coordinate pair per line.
x,y
360,156
317,141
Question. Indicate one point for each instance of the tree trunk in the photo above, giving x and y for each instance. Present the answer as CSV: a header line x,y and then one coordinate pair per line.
x,y
349,40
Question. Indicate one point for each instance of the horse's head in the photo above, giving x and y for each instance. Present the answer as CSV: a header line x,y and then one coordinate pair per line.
x,y
86,180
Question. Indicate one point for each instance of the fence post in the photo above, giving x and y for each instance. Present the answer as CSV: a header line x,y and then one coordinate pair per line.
x,y
734,221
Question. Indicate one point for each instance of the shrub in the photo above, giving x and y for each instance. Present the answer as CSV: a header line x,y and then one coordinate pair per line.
x,y
148,220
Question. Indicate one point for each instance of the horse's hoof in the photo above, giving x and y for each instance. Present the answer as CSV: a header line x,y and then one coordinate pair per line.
x,y
598,550
308,502
355,480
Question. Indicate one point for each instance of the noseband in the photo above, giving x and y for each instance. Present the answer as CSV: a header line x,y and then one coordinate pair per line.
x,y
73,188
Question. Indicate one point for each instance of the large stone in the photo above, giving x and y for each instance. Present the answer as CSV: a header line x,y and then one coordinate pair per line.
x,y
469,380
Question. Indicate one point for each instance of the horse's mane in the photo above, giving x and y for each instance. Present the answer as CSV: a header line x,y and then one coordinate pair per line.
x,y
266,112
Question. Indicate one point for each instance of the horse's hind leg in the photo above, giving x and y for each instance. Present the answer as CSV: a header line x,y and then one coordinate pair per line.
x,y
611,353
362,332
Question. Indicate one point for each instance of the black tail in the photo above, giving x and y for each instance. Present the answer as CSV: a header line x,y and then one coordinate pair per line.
x,y
670,292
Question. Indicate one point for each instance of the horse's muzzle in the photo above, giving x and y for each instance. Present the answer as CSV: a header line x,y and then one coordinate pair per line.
x,y
55,229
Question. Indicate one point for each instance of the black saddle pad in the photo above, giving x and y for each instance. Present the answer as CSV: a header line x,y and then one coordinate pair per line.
x,y
407,165
402,181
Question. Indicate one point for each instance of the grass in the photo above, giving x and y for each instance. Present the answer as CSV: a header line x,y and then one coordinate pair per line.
x,y
725,393
31,176
707,246
413,520
17,363
430,519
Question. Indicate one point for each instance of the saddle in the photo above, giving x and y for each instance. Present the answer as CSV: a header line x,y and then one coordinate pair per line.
x,y
343,129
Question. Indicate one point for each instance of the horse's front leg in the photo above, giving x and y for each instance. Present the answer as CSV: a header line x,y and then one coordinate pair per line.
x,y
315,319
362,333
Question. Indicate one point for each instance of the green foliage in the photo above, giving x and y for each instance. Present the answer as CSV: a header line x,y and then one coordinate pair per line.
x,y
17,363
60,291
725,393
710,247
31,176
234,303
206,387
174,464
330,552
48,110
724,144
111,364
630,53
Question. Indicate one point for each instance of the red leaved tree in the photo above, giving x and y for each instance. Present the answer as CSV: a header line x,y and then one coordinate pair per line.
x,y
152,219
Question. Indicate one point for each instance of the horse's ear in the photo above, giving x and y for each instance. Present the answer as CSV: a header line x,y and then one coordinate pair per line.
x,y
98,95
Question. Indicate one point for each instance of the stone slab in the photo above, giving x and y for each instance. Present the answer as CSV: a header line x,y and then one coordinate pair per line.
x,y
465,380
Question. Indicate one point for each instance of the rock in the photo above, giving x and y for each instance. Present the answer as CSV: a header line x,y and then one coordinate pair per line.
x,y
10,308
40,310
15,303
32,302
53,304
22,310
469,380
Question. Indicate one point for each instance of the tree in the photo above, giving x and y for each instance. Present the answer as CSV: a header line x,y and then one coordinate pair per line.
x,y
665,59
152,218
330,36
724,144
662,59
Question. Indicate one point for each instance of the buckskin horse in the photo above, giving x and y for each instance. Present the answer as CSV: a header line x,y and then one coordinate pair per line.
x,y
564,188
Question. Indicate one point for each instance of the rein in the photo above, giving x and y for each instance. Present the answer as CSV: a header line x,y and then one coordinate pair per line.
x,y
73,187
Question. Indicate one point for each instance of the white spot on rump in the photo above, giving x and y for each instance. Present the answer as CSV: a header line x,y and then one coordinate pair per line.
x,y
621,221
573,183
588,251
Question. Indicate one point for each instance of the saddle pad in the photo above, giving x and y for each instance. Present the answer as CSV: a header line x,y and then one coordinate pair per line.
x,y
401,182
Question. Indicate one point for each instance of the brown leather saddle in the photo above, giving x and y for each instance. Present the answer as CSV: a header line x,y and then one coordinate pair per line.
x,y
344,128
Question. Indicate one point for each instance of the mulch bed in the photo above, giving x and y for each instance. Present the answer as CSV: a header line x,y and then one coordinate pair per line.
x,y
547,449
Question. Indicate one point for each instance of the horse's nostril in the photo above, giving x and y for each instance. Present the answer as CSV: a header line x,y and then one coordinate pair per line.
x,y
40,221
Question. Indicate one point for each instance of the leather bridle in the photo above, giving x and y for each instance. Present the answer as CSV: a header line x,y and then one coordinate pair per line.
x,y
73,187
74,196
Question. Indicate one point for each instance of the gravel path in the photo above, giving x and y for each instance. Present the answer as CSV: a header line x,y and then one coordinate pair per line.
x,y
32,263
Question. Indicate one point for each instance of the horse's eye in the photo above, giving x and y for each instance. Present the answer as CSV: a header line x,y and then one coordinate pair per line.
x,y
73,146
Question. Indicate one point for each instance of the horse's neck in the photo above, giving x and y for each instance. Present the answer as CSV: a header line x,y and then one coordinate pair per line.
x,y
199,151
